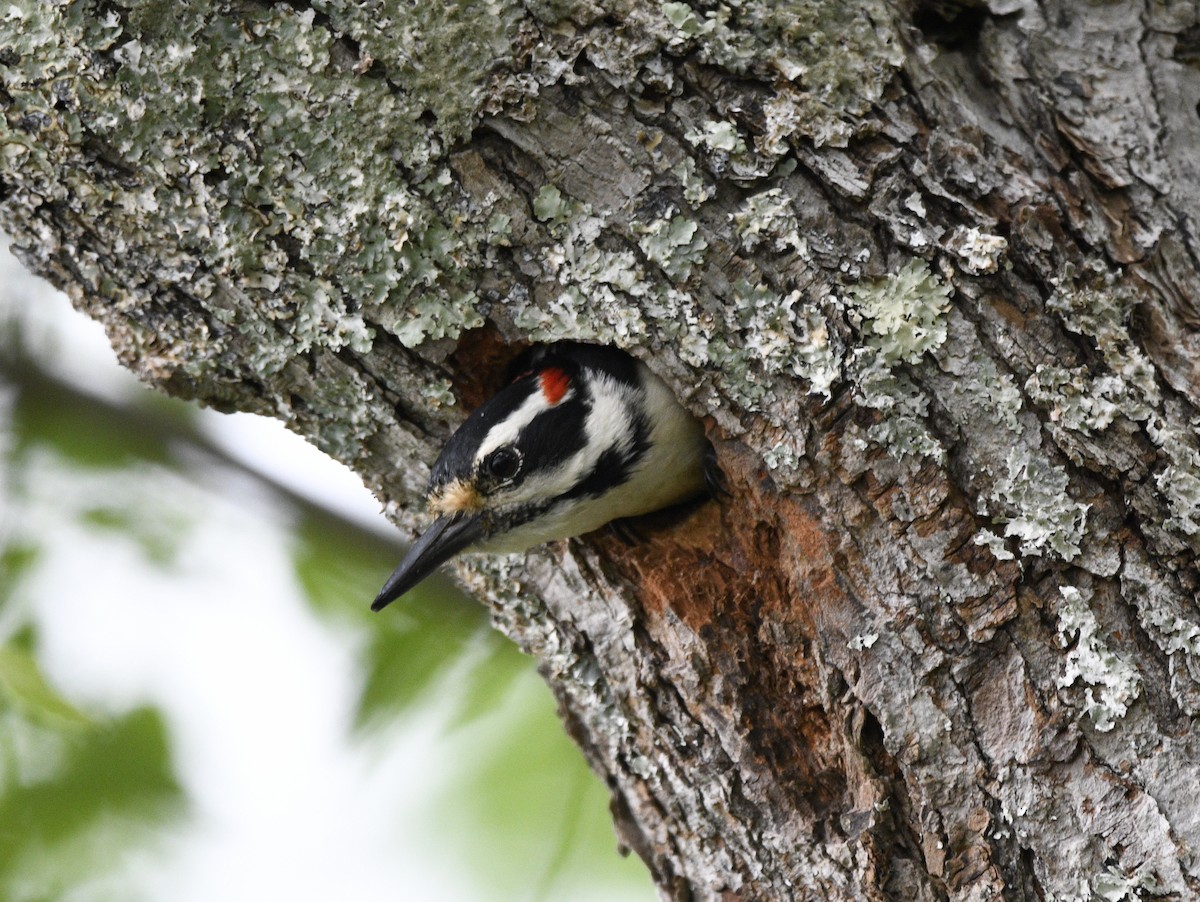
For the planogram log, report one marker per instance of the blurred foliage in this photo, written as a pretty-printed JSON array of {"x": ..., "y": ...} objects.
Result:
[
  {"x": 74, "y": 790},
  {"x": 25, "y": 690},
  {"x": 111, "y": 785},
  {"x": 87, "y": 432},
  {"x": 534, "y": 790},
  {"x": 417, "y": 641},
  {"x": 81, "y": 789}
]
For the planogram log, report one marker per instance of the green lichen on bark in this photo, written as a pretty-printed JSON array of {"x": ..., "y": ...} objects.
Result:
[
  {"x": 829, "y": 61},
  {"x": 901, "y": 318},
  {"x": 1113, "y": 683},
  {"x": 283, "y": 174},
  {"x": 1098, "y": 304},
  {"x": 218, "y": 160},
  {"x": 447, "y": 57},
  {"x": 245, "y": 161},
  {"x": 1038, "y": 510}
]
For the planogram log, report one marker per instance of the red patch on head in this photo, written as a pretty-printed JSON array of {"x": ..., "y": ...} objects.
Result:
[{"x": 554, "y": 383}]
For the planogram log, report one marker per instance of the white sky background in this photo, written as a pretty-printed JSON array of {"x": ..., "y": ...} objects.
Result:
[{"x": 257, "y": 693}]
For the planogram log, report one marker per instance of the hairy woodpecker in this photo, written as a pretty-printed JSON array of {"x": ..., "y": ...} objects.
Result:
[{"x": 583, "y": 435}]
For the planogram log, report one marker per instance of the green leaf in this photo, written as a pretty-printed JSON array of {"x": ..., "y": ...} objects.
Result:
[
  {"x": 82, "y": 429},
  {"x": 16, "y": 560},
  {"x": 415, "y": 641},
  {"x": 111, "y": 771},
  {"x": 24, "y": 687}
]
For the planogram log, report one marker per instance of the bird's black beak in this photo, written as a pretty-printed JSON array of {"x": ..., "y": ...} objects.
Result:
[{"x": 444, "y": 539}]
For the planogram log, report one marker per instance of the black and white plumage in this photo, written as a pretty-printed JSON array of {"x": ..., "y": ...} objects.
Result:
[{"x": 583, "y": 435}]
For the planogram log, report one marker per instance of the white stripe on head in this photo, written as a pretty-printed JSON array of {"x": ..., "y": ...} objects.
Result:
[
  {"x": 671, "y": 470},
  {"x": 506, "y": 431},
  {"x": 607, "y": 426}
]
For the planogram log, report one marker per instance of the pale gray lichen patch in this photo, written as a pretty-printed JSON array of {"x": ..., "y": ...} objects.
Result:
[
  {"x": 994, "y": 543},
  {"x": 1033, "y": 503},
  {"x": 1075, "y": 400},
  {"x": 1181, "y": 486},
  {"x": 683, "y": 17},
  {"x": 593, "y": 290},
  {"x": 814, "y": 356},
  {"x": 673, "y": 242},
  {"x": 1101, "y": 312},
  {"x": 726, "y": 152},
  {"x": 775, "y": 336},
  {"x": 681, "y": 321},
  {"x": 1100, "y": 309},
  {"x": 696, "y": 189},
  {"x": 978, "y": 252},
  {"x": 1178, "y": 634},
  {"x": 1166, "y": 612},
  {"x": 435, "y": 317},
  {"x": 786, "y": 455},
  {"x": 1179, "y": 480},
  {"x": 449, "y": 59},
  {"x": 901, "y": 316},
  {"x": 718, "y": 136},
  {"x": 903, "y": 430},
  {"x": 1113, "y": 684},
  {"x": 239, "y": 181},
  {"x": 549, "y": 205},
  {"x": 500, "y": 578},
  {"x": 767, "y": 218},
  {"x": 828, "y": 62},
  {"x": 1045, "y": 518},
  {"x": 766, "y": 321},
  {"x": 978, "y": 386},
  {"x": 586, "y": 291},
  {"x": 358, "y": 409},
  {"x": 324, "y": 318},
  {"x": 1114, "y": 885},
  {"x": 1005, "y": 397}
]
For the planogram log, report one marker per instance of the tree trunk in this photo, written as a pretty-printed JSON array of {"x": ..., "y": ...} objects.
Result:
[{"x": 929, "y": 272}]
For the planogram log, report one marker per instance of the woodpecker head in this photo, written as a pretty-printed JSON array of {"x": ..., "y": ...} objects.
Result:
[{"x": 582, "y": 435}]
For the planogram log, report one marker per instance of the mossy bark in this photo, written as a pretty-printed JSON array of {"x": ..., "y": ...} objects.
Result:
[{"x": 928, "y": 271}]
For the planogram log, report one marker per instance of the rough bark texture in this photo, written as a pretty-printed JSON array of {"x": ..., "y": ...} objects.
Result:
[{"x": 929, "y": 270}]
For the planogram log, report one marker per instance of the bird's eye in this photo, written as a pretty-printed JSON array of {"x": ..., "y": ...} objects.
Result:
[{"x": 502, "y": 464}]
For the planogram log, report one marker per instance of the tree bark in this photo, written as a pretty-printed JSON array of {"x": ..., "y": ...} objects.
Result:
[{"x": 929, "y": 272}]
